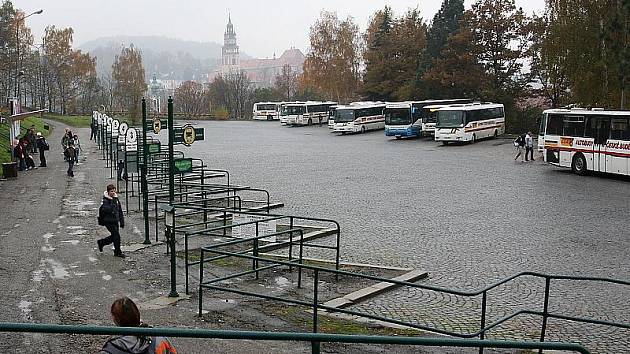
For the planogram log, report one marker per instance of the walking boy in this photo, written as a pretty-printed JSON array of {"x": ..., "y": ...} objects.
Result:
[
  {"x": 69, "y": 153},
  {"x": 110, "y": 215},
  {"x": 519, "y": 143}
]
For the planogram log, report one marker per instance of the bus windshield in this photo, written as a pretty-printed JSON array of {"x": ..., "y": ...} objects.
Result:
[
  {"x": 344, "y": 115},
  {"x": 397, "y": 116},
  {"x": 292, "y": 110},
  {"x": 450, "y": 119},
  {"x": 429, "y": 115},
  {"x": 265, "y": 107}
]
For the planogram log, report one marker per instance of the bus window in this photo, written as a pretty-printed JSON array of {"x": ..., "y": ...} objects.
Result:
[
  {"x": 603, "y": 130},
  {"x": 542, "y": 125},
  {"x": 619, "y": 129},
  {"x": 573, "y": 126},
  {"x": 554, "y": 124}
]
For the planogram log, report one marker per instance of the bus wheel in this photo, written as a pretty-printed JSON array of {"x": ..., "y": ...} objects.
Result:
[
  {"x": 363, "y": 129},
  {"x": 578, "y": 166},
  {"x": 310, "y": 122},
  {"x": 496, "y": 133},
  {"x": 398, "y": 137},
  {"x": 445, "y": 143}
]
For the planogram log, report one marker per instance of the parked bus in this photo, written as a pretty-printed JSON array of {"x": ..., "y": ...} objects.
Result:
[
  {"x": 266, "y": 111},
  {"x": 588, "y": 140},
  {"x": 469, "y": 122},
  {"x": 359, "y": 118},
  {"x": 307, "y": 113},
  {"x": 284, "y": 113},
  {"x": 405, "y": 119},
  {"x": 331, "y": 116}
]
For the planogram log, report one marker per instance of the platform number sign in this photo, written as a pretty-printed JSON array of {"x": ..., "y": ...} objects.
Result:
[
  {"x": 188, "y": 135},
  {"x": 157, "y": 125}
]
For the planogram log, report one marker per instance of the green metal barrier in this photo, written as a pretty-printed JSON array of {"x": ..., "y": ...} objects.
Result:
[{"x": 287, "y": 336}]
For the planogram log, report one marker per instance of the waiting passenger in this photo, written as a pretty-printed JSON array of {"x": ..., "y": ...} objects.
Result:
[{"x": 125, "y": 313}]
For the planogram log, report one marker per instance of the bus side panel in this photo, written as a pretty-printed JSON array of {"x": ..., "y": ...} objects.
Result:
[{"x": 617, "y": 159}]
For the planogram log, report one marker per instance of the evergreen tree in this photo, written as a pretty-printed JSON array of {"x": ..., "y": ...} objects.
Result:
[
  {"x": 376, "y": 79},
  {"x": 445, "y": 23}
]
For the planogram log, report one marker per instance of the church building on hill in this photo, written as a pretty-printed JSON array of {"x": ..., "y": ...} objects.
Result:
[{"x": 262, "y": 72}]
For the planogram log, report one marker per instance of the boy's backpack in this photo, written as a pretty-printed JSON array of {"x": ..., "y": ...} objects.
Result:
[{"x": 100, "y": 217}]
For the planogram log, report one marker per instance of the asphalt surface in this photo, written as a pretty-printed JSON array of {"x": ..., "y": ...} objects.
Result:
[{"x": 469, "y": 215}]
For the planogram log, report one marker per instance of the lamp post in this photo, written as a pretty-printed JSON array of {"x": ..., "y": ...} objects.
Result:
[{"x": 16, "y": 92}]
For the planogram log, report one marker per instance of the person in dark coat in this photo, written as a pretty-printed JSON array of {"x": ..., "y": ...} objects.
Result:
[
  {"x": 110, "y": 215},
  {"x": 93, "y": 129},
  {"x": 31, "y": 139},
  {"x": 125, "y": 313},
  {"x": 42, "y": 145},
  {"x": 69, "y": 154}
]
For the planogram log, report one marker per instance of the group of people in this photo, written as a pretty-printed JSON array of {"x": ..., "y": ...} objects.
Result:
[
  {"x": 29, "y": 144},
  {"x": 71, "y": 150},
  {"x": 524, "y": 141}
]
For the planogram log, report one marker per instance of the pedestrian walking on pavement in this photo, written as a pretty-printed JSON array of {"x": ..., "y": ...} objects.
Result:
[
  {"x": 125, "y": 313},
  {"x": 77, "y": 148},
  {"x": 68, "y": 155},
  {"x": 529, "y": 146},
  {"x": 93, "y": 129},
  {"x": 110, "y": 215},
  {"x": 519, "y": 143},
  {"x": 42, "y": 145}
]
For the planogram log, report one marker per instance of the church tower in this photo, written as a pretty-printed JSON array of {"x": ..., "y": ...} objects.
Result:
[{"x": 229, "y": 54}]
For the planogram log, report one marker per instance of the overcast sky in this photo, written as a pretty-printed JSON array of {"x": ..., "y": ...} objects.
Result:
[{"x": 262, "y": 27}]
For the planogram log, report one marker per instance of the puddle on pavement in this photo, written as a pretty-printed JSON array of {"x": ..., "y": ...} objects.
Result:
[
  {"x": 282, "y": 281},
  {"x": 56, "y": 269},
  {"x": 92, "y": 259},
  {"x": 38, "y": 275},
  {"x": 72, "y": 242},
  {"x": 25, "y": 307},
  {"x": 48, "y": 248}
]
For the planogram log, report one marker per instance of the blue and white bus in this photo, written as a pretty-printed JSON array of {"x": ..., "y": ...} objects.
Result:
[{"x": 406, "y": 119}]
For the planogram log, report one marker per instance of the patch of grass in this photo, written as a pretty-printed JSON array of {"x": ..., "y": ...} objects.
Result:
[{"x": 73, "y": 121}]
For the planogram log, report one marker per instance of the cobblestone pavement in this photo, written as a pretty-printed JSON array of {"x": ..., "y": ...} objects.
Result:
[{"x": 470, "y": 215}]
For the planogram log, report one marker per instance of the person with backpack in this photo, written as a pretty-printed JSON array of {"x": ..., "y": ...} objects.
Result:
[
  {"x": 125, "y": 313},
  {"x": 110, "y": 215},
  {"x": 93, "y": 129},
  {"x": 42, "y": 145},
  {"x": 68, "y": 154},
  {"x": 519, "y": 143}
]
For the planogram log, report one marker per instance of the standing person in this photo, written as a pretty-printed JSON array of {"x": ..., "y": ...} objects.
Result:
[
  {"x": 31, "y": 138},
  {"x": 28, "y": 159},
  {"x": 69, "y": 154},
  {"x": 93, "y": 128},
  {"x": 110, "y": 215},
  {"x": 67, "y": 137},
  {"x": 125, "y": 313},
  {"x": 529, "y": 146},
  {"x": 77, "y": 147},
  {"x": 519, "y": 143},
  {"x": 42, "y": 145}
]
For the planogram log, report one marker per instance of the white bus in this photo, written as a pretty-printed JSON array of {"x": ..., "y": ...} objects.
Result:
[
  {"x": 307, "y": 113},
  {"x": 405, "y": 119},
  {"x": 359, "y": 118},
  {"x": 588, "y": 140},
  {"x": 283, "y": 112},
  {"x": 266, "y": 111},
  {"x": 428, "y": 116},
  {"x": 469, "y": 122},
  {"x": 331, "y": 116}
]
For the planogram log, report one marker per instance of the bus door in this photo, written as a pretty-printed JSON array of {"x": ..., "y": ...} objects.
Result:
[
  {"x": 616, "y": 160},
  {"x": 602, "y": 133}
]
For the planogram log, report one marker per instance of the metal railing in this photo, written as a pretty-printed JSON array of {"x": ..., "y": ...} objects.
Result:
[
  {"x": 315, "y": 306},
  {"x": 314, "y": 338}
]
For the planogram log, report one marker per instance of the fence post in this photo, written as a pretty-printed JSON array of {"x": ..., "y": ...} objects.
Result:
[
  {"x": 545, "y": 310},
  {"x": 315, "y": 346},
  {"x": 482, "y": 335}
]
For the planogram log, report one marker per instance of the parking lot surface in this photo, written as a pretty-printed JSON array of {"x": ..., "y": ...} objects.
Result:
[{"x": 469, "y": 215}]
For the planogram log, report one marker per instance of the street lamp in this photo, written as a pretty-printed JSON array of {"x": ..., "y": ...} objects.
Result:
[{"x": 17, "y": 43}]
